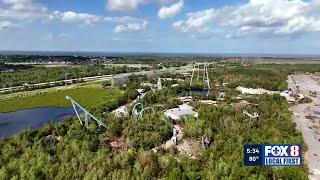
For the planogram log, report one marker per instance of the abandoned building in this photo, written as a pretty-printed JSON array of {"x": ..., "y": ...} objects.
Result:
[
  {"x": 120, "y": 79},
  {"x": 178, "y": 113}
]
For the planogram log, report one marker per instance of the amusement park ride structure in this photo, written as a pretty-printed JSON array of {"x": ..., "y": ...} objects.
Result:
[
  {"x": 255, "y": 115},
  {"x": 87, "y": 116},
  {"x": 201, "y": 68},
  {"x": 138, "y": 110}
]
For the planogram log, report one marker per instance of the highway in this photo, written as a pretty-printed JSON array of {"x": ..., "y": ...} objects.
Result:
[
  {"x": 52, "y": 83},
  {"x": 88, "y": 79}
]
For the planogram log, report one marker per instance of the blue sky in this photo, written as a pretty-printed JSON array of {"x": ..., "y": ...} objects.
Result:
[{"x": 190, "y": 26}]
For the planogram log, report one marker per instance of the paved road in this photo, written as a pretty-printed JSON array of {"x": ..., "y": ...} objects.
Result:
[
  {"x": 85, "y": 79},
  {"x": 308, "y": 128}
]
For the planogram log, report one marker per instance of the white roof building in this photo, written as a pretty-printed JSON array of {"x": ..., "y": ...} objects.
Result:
[
  {"x": 182, "y": 111},
  {"x": 258, "y": 91},
  {"x": 121, "y": 112},
  {"x": 208, "y": 102},
  {"x": 185, "y": 99}
]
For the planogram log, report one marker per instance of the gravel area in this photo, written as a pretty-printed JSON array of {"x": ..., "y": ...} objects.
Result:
[{"x": 308, "y": 127}]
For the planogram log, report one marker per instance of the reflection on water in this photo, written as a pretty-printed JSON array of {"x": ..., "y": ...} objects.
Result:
[
  {"x": 201, "y": 92},
  {"x": 14, "y": 122}
]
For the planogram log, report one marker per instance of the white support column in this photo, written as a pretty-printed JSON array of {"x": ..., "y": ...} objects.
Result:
[
  {"x": 86, "y": 119},
  {"x": 87, "y": 115},
  {"x": 75, "y": 110},
  {"x": 198, "y": 72},
  {"x": 208, "y": 80},
  {"x": 193, "y": 69}
]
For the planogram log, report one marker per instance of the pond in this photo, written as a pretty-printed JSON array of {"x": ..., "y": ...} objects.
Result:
[
  {"x": 200, "y": 92},
  {"x": 15, "y": 122}
]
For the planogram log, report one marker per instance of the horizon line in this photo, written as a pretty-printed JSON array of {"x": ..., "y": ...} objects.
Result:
[{"x": 132, "y": 53}]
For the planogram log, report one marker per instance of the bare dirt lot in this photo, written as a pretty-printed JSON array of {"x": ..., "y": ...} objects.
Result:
[{"x": 307, "y": 121}]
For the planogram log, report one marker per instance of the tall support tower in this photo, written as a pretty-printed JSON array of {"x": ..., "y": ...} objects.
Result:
[{"x": 202, "y": 70}]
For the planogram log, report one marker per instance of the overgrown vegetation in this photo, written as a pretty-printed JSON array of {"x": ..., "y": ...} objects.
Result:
[
  {"x": 48, "y": 74},
  {"x": 88, "y": 95},
  {"x": 83, "y": 154}
]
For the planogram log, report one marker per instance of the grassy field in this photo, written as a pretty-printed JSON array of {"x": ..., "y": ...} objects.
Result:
[{"x": 88, "y": 95}]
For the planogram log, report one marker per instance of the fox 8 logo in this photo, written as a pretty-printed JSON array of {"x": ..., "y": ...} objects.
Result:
[{"x": 282, "y": 151}]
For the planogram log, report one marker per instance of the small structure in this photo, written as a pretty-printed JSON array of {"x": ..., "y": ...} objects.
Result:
[
  {"x": 159, "y": 84},
  {"x": 288, "y": 95},
  {"x": 186, "y": 99},
  {"x": 208, "y": 102},
  {"x": 257, "y": 91},
  {"x": 255, "y": 115},
  {"x": 146, "y": 84},
  {"x": 221, "y": 95},
  {"x": 140, "y": 91},
  {"x": 182, "y": 111},
  {"x": 205, "y": 142},
  {"x": 175, "y": 136},
  {"x": 176, "y": 131},
  {"x": 239, "y": 97},
  {"x": 120, "y": 79},
  {"x": 153, "y": 74},
  {"x": 185, "y": 75},
  {"x": 239, "y": 105},
  {"x": 300, "y": 96},
  {"x": 313, "y": 93},
  {"x": 121, "y": 111}
]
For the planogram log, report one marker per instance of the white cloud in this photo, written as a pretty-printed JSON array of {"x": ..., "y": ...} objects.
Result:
[
  {"x": 265, "y": 18},
  {"x": 7, "y": 25},
  {"x": 22, "y": 10},
  {"x": 164, "y": 2},
  {"x": 196, "y": 21},
  {"x": 170, "y": 11},
  {"x": 28, "y": 11},
  {"x": 64, "y": 36},
  {"x": 148, "y": 40},
  {"x": 54, "y": 36},
  {"x": 127, "y": 24},
  {"x": 123, "y": 19},
  {"x": 72, "y": 17},
  {"x": 24, "y": 5},
  {"x": 131, "y": 27},
  {"x": 123, "y": 5}
]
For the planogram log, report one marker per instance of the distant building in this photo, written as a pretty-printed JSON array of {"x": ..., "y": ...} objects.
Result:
[
  {"x": 208, "y": 102},
  {"x": 239, "y": 105},
  {"x": 153, "y": 75},
  {"x": 220, "y": 95},
  {"x": 120, "y": 79},
  {"x": 257, "y": 91},
  {"x": 178, "y": 113},
  {"x": 186, "y": 99},
  {"x": 185, "y": 75}
]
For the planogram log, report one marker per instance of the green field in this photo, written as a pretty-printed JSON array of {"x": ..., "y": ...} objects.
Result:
[{"x": 87, "y": 95}]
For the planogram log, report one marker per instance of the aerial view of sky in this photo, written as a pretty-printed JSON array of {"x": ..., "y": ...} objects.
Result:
[{"x": 192, "y": 26}]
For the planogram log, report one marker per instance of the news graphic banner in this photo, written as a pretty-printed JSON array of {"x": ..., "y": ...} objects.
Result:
[{"x": 272, "y": 155}]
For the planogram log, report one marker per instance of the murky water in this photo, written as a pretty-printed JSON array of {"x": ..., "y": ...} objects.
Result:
[{"x": 14, "y": 122}]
